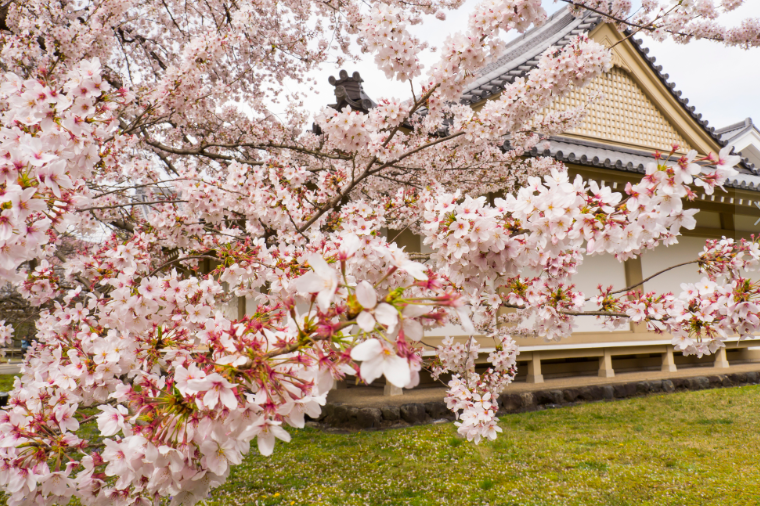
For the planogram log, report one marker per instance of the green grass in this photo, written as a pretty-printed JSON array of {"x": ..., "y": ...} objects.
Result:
[
  {"x": 6, "y": 382},
  {"x": 695, "y": 448},
  {"x": 685, "y": 449}
]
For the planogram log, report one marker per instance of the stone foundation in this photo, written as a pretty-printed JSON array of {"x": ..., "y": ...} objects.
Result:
[{"x": 350, "y": 418}]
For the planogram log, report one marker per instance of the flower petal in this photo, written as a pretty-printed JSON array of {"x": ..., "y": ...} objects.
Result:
[
  {"x": 280, "y": 433},
  {"x": 372, "y": 369},
  {"x": 414, "y": 310},
  {"x": 367, "y": 350},
  {"x": 265, "y": 440},
  {"x": 387, "y": 315},
  {"x": 366, "y": 321},
  {"x": 415, "y": 269},
  {"x": 413, "y": 329},
  {"x": 397, "y": 371},
  {"x": 321, "y": 267},
  {"x": 350, "y": 245},
  {"x": 465, "y": 319},
  {"x": 324, "y": 299},
  {"x": 309, "y": 283},
  {"x": 366, "y": 295}
]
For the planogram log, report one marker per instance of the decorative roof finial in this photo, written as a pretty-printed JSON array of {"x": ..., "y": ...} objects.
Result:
[{"x": 349, "y": 92}]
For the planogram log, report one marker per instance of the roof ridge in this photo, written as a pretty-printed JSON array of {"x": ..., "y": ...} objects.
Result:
[
  {"x": 735, "y": 126},
  {"x": 523, "y": 57},
  {"x": 516, "y": 41}
]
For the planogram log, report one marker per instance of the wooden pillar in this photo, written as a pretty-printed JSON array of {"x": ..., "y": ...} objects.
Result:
[
  {"x": 392, "y": 390},
  {"x": 668, "y": 364},
  {"x": 635, "y": 274},
  {"x": 721, "y": 361},
  {"x": 241, "y": 301},
  {"x": 534, "y": 369},
  {"x": 605, "y": 365},
  {"x": 727, "y": 225}
]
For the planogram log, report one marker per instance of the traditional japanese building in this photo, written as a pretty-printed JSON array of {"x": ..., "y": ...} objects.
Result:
[
  {"x": 745, "y": 138},
  {"x": 642, "y": 112}
]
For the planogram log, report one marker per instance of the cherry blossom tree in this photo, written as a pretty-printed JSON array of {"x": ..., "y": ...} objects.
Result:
[{"x": 141, "y": 132}]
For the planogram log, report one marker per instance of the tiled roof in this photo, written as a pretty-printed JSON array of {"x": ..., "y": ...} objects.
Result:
[
  {"x": 521, "y": 56},
  {"x": 731, "y": 132},
  {"x": 596, "y": 154}
]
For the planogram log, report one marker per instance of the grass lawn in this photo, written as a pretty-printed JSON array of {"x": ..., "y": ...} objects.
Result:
[
  {"x": 694, "y": 448},
  {"x": 6, "y": 382}
]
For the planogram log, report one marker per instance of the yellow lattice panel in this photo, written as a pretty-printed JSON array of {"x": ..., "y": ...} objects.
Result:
[{"x": 625, "y": 115}]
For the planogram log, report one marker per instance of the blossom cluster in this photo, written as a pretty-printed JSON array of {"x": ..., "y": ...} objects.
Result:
[
  {"x": 681, "y": 21},
  {"x": 704, "y": 314},
  {"x": 50, "y": 145},
  {"x": 147, "y": 380},
  {"x": 472, "y": 396},
  {"x": 396, "y": 50},
  {"x": 462, "y": 54}
]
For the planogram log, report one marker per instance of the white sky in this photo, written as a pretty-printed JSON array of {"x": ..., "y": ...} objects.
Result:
[{"x": 722, "y": 83}]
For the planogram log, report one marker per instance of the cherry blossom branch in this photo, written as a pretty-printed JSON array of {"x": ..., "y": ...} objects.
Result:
[
  {"x": 131, "y": 204},
  {"x": 574, "y": 313},
  {"x": 629, "y": 288},
  {"x": 648, "y": 27},
  {"x": 176, "y": 260}
]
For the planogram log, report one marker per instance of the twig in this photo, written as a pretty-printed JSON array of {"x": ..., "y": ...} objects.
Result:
[
  {"x": 130, "y": 204},
  {"x": 628, "y": 288},
  {"x": 180, "y": 260}
]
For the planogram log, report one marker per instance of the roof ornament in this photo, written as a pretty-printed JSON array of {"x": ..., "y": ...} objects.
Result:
[{"x": 349, "y": 92}]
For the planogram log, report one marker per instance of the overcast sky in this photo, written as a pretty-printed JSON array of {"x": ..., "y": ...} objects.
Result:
[{"x": 722, "y": 83}]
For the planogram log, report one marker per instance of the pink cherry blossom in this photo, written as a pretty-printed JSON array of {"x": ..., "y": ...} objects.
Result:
[
  {"x": 111, "y": 420},
  {"x": 217, "y": 389},
  {"x": 372, "y": 312},
  {"x": 378, "y": 359},
  {"x": 323, "y": 281},
  {"x": 145, "y": 210}
]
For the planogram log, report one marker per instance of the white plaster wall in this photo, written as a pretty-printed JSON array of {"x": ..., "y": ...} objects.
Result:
[
  {"x": 596, "y": 270},
  {"x": 230, "y": 308},
  {"x": 745, "y": 223},
  {"x": 688, "y": 248},
  {"x": 748, "y": 145}
]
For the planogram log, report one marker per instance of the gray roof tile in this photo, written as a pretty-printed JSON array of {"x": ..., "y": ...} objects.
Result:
[{"x": 595, "y": 154}]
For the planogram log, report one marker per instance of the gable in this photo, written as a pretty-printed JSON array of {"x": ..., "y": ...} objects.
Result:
[
  {"x": 642, "y": 111},
  {"x": 665, "y": 113},
  {"x": 625, "y": 115}
]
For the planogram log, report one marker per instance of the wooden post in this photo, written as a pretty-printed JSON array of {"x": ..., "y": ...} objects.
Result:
[
  {"x": 668, "y": 364},
  {"x": 392, "y": 390},
  {"x": 605, "y": 365},
  {"x": 721, "y": 361},
  {"x": 534, "y": 369},
  {"x": 727, "y": 225},
  {"x": 635, "y": 274}
]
